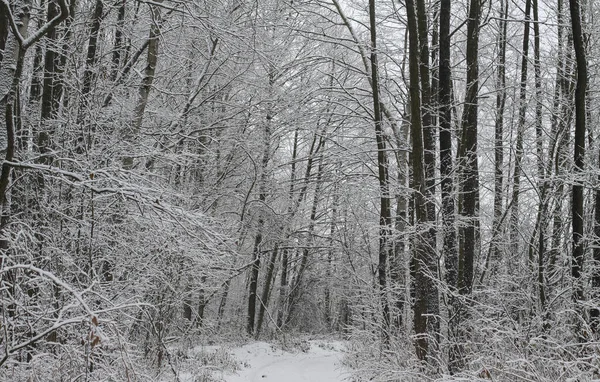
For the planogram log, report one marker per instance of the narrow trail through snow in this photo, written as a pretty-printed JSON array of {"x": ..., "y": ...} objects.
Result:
[{"x": 321, "y": 362}]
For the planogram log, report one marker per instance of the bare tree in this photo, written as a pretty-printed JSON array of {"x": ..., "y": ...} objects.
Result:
[{"x": 579, "y": 151}]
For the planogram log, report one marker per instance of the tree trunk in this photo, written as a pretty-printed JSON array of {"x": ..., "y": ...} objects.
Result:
[
  {"x": 89, "y": 73},
  {"x": 132, "y": 132},
  {"x": 11, "y": 70},
  {"x": 469, "y": 176},
  {"x": 330, "y": 257},
  {"x": 579, "y": 152},
  {"x": 264, "y": 298},
  {"x": 201, "y": 303},
  {"x": 296, "y": 284},
  {"x": 283, "y": 283},
  {"x": 424, "y": 261},
  {"x": 4, "y": 31},
  {"x": 543, "y": 183},
  {"x": 285, "y": 298},
  {"x": 494, "y": 251},
  {"x": 562, "y": 115},
  {"x": 283, "y": 289},
  {"x": 468, "y": 155},
  {"x": 385, "y": 214},
  {"x": 449, "y": 250},
  {"x": 427, "y": 106},
  {"x": 51, "y": 89},
  {"x": 514, "y": 216},
  {"x": 398, "y": 262},
  {"x": 260, "y": 225},
  {"x": 119, "y": 43}
]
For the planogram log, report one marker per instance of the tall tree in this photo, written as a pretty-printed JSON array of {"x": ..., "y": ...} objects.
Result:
[
  {"x": 579, "y": 149},
  {"x": 260, "y": 225},
  {"x": 543, "y": 185},
  {"x": 423, "y": 262},
  {"x": 4, "y": 31},
  {"x": 468, "y": 156},
  {"x": 514, "y": 216},
  {"x": 427, "y": 103},
  {"x": 469, "y": 172},
  {"x": 385, "y": 212},
  {"x": 132, "y": 131},
  {"x": 501, "y": 41},
  {"x": 450, "y": 250},
  {"x": 52, "y": 87},
  {"x": 90, "y": 63}
]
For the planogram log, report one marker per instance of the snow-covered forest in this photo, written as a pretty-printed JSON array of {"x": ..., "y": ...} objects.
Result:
[{"x": 418, "y": 179}]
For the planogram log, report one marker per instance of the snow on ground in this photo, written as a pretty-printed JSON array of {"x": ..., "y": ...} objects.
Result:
[{"x": 319, "y": 362}]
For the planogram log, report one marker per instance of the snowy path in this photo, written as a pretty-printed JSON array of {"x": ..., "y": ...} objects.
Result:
[{"x": 320, "y": 363}]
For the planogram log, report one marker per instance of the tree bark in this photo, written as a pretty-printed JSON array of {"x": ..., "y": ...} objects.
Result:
[
  {"x": 468, "y": 156},
  {"x": 264, "y": 298},
  {"x": 132, "y": 132},
  {"x": 562, "y": 115},
  {"x": 543, "y": 182},
  {"x": 494, "y": 251},
  {"x": 424, "y": 261},
  {"x": 258, "y": 239},
  {"x": 469, "y": 178},
  {"x": 89, "y": 73},
  {"x": 296, "y": 284},
  {"x": 579, "y": 151},
  {"x": 119, "y": 43},
  {"x": 4, "y": 31},
  {"x": 385, "y": 213},
  {"x": 427, "y": 103},
  {"x": 11, "y": 70},
  {"x": 514, "y": 216},
  {"x": 51, "y": 88},
  {"x": 450, "y": 252}
]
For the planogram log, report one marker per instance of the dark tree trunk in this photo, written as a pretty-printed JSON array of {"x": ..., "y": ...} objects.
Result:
[
  {"x": 450, "y": 252},
  {"x": 35, "y": 90},
  {"x": 119, "y": 43},
  {"x": 149, "y": 71},
  {"x": 427, "y": 101},
  {"x": 260, "y": 225},
  {"x": 4, "y": 30},
  {"x": 469, "y": 178},
  {"x": 254, "y": 270},
  {"x": 579, "y": 150},
  {"x": 50, "y": 88},
  {"x": 296, "y": 284},
  {"x": 223, "y": 303},
  {"x": 264, "y": 298},
  {"x": 424, "y": 260},
  {"x": 283, "y": 282},
  {"x": 385, "y": 213},
  {"x": 514, "y": 216},
  {"x": 88, "y": 74},
  {"x": 445, "y": 100},
  {"x": 285, "y": 298},
  {"x": 330, "y": 258},
  {"x": 543, "y": 183},
  {"x": 494, "y": 251},
  {"x": 468, "y": 156},
  {"x": 11, "y": 70},
  {"x": 562, "y": 116},
  {"x": 132, "y": 132},
  {"x": 283, "y": 289},
  {"x": 201, "y": 303},
  {"x": 90, "y": 63}
]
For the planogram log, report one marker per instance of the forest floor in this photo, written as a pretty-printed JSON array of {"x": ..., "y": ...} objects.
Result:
[{"x": 306, "y": 361}]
